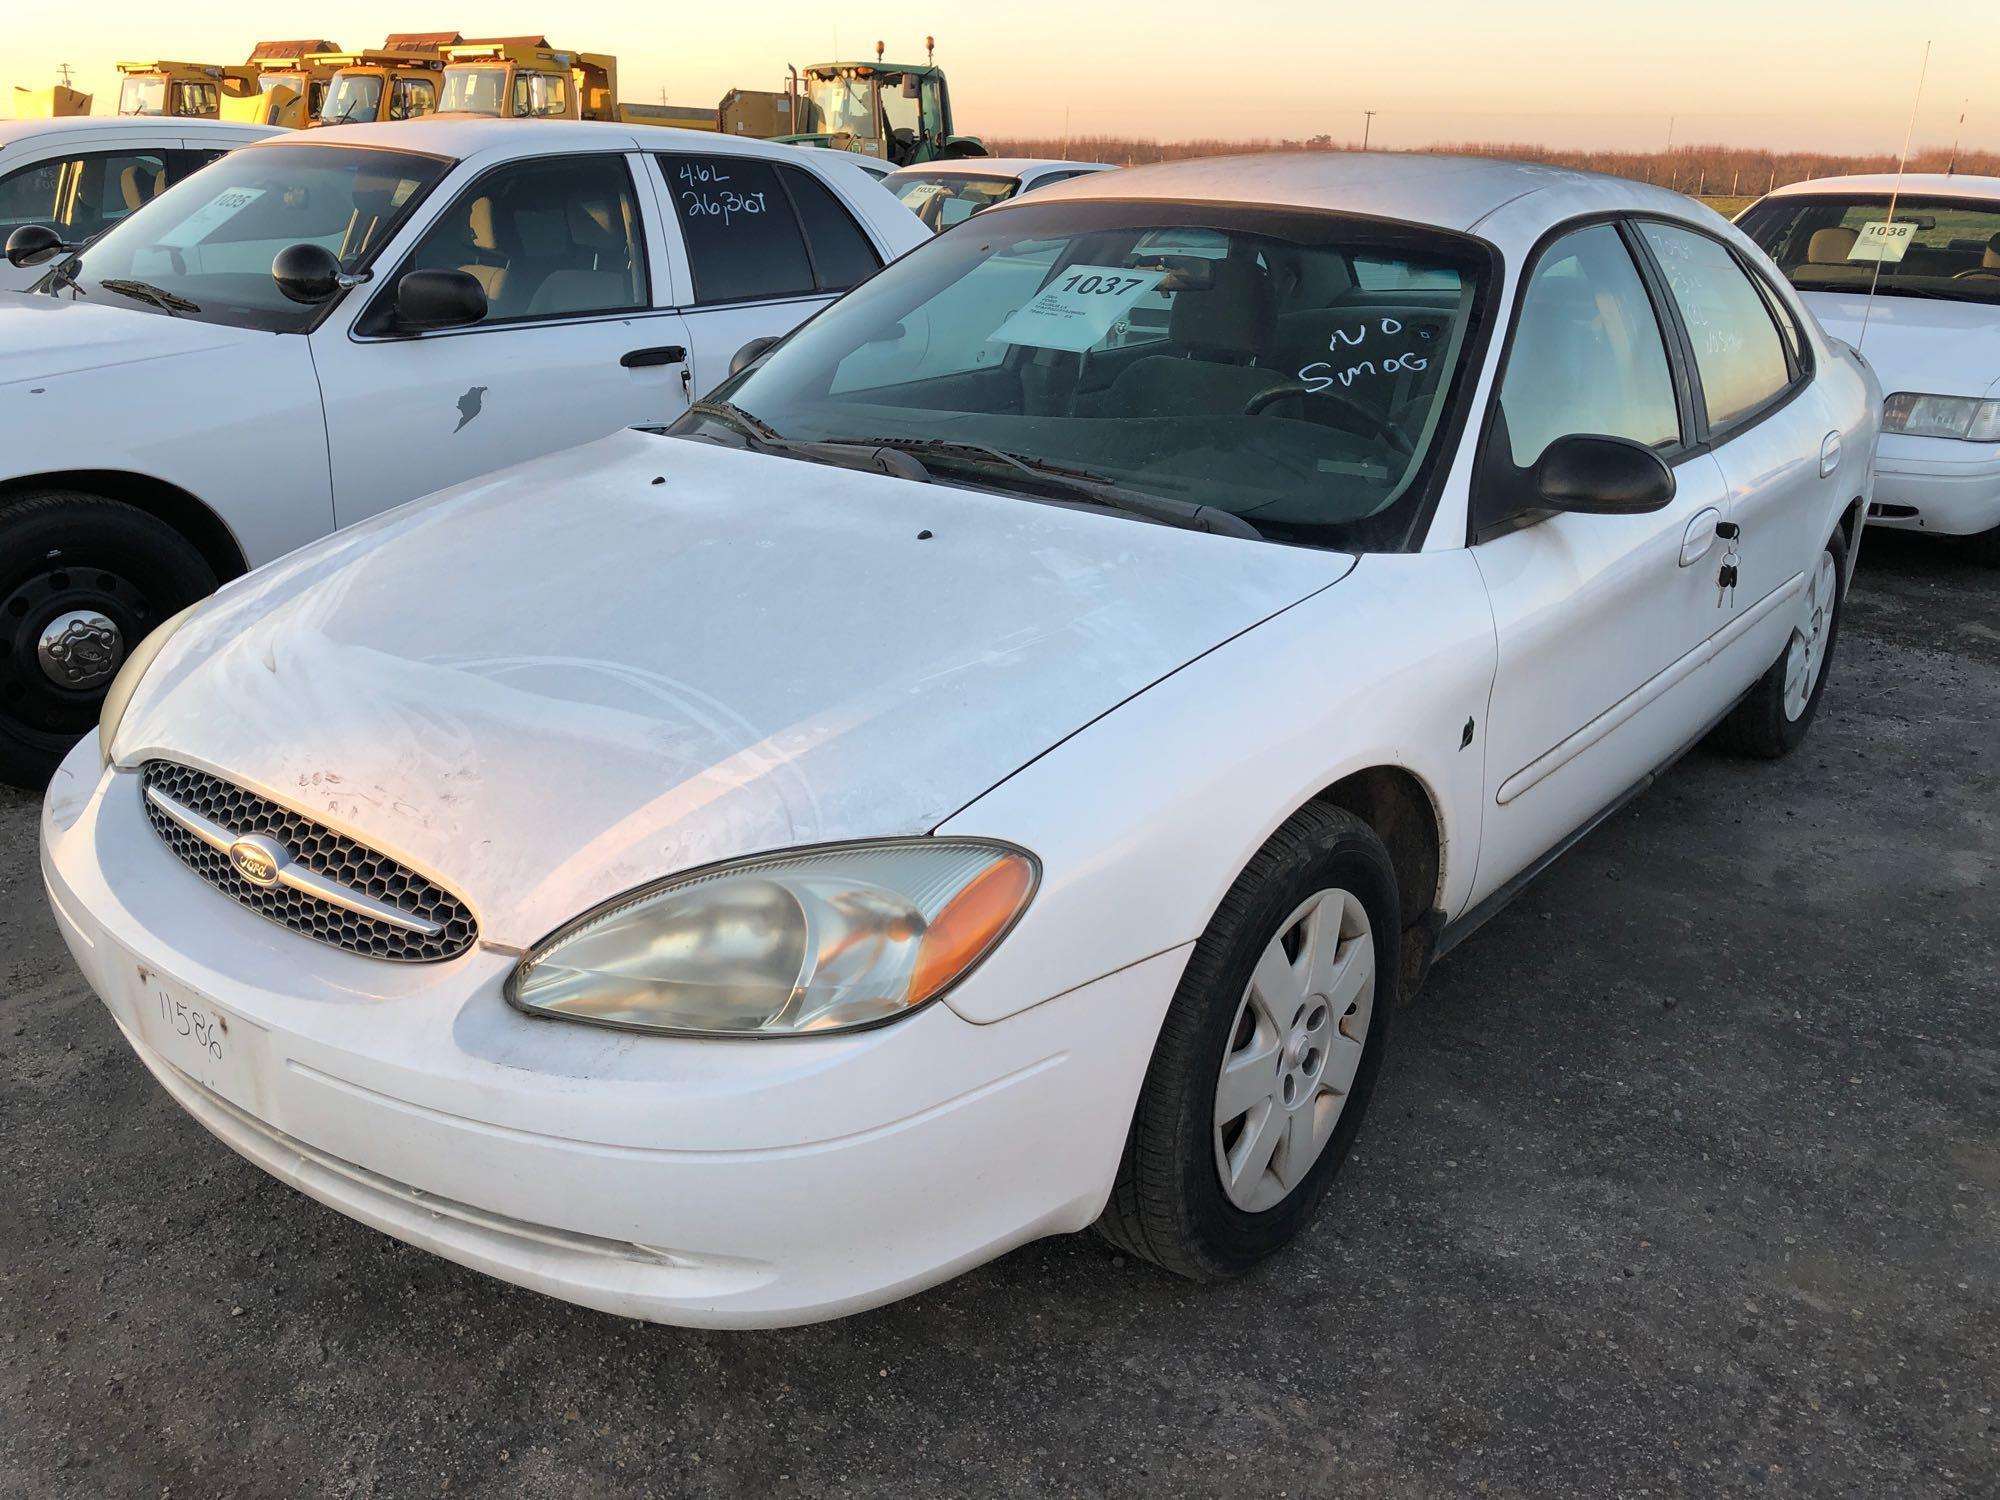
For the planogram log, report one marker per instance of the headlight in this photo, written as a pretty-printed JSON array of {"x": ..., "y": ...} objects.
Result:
[
  {"x": 1965, "y": 417},
  {"x": 813, "y": 941},
  {"x": 119, "y": 695}
]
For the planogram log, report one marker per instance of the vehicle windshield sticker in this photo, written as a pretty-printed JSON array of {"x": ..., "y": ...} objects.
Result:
[
  {"x": 1077, "y": 309},
  {"x": 1883, "y": 241},
  {"x": 210, "y": 217}
]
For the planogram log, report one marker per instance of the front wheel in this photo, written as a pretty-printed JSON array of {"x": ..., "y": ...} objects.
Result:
[
  {"x": 1774, "y": 716},
  {"x": 1268, "y": 1054},
  {"x": 82, "y": 580}
]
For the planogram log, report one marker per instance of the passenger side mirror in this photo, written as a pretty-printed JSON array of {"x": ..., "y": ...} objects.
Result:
[
  {"x": 32, "y": 244},
  {"x": 1603, "y": 476},
  {"x": 307, "y": 273},
  {"x": 749, "y": 354},
  {"x": 438, "y": 299}
]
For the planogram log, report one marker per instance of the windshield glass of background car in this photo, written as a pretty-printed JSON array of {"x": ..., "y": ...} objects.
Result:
[
  {"x": 1236, "y": 363},
  {"x": 353, "y": 96},
  {"x": 209, "y": 241},
  {"x": 1933, "y": 247},
  {"x": 942, "y": 199}
]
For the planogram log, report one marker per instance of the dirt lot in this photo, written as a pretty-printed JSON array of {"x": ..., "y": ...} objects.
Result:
[{"x": 1685, "y": 1179}]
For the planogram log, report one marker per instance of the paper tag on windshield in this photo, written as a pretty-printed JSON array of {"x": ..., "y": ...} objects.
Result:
[
  {"x": 1883, "y": 241},
  {"x": 210, "y": 217},
  {"x": 1077, "y": 309}
]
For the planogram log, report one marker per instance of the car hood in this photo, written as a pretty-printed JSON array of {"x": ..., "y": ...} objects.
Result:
[
  {"x": 50, "y": 337},
  {"x": 1916, "y": 344},
  {"x": 554, "y": 684}
]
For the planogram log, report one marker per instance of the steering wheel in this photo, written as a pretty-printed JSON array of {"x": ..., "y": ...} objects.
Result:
[
  {"x": 1976, "y": 271},
  {"x": 1371, "y": 423}
]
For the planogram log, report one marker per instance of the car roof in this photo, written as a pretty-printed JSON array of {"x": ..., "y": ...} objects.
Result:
[
  {"x": 1451, "y": 192},
  {"x": 461, "y": 136},
  {"x": 998, "y": 166},
  {"x": 12, "y": 131},
  {"x": 1916, "y": 184}
]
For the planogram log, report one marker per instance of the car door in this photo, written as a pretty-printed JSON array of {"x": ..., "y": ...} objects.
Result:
[
  {"x": 765, "y": 245},
  {"x": 576, "y": 341},
  {"x": 81, "y": 193},
  {"x": 1601, "y": 620},
  {"x": 1777, "y": 444}
]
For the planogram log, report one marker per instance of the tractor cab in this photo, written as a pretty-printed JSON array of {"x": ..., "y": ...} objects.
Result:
[{"x": 899, "y": 113}]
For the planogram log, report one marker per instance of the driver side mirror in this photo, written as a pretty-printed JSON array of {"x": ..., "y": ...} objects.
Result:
[
  {"x": 438, "y": 299},
  {"x": 1602, "y": 476},
  {"x": 749, "y": 354},
  {"x": 32, "y": 244}
]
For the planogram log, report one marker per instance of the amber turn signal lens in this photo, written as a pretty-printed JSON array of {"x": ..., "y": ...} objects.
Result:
[{"x": 970, "y": 924}]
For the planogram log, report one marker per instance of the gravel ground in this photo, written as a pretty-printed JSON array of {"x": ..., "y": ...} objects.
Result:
[{"x": 1684, "y": 1178}]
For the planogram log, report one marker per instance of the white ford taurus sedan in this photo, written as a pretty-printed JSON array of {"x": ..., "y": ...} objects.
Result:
[
  {"x": 1908, "y": 270},
  {"x": 743, "y": 874}
]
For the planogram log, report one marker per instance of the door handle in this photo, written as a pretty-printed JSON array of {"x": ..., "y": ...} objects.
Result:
[
  {"x": 1699, "y": 538},
  {"x": 1829, "y": 454},
  {"x": 665, "y": 354}
]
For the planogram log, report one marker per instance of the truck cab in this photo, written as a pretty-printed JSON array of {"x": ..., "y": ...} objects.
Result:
[
  {"x": 524, "y": 78},
  {"x": 297, "y": 67},
  {"x": 184, "y": 90},
  {"x": 379, "y": 84}
]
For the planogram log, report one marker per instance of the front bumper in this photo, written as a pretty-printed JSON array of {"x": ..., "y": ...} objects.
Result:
[
  {"x": 1936, "y": 484},
  {"x": 706, "y": 1183}
]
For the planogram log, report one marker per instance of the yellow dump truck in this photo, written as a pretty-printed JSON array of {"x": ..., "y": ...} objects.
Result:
[
  {"x": 523, "y": 77},
  {"x": 187, "y": 90},
  {"x": 396, "y": 81},
  {"x": 292, "y": 81}
]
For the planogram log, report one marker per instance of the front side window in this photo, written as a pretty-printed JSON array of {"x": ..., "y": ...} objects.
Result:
[
  {"x": 1737, "y": 350},
  {"x": 197, "y": 101},
  {"x": 1944, "y": 249},
  {"x": 203, "y": 248},
  {"x": 1279, "y": 392},
  {"x": 539, "y": 95},
  {"x": 942, "y": 199},
  {"x": 549, "y": 238},
  {"x": 1588, "y": 356},
  {"x": 353, "y": 96},
  {"x": 142, "y": 96},
  {"x": 412, "y": 97}
]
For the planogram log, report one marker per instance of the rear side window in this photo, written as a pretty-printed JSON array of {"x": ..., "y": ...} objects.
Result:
[
  {"x": 756, "y": 230},
  {"x": 1737, "y": 350}
]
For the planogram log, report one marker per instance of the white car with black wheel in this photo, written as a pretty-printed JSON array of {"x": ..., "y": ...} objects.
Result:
[
  {"x": 324, "y": 325},
  {"x": 917, "y": 815}
]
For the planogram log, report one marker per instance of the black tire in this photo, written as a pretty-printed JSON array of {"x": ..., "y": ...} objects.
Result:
[
  {"x": 1984, "y": 547},
  {"x": 1759, "y": 725},
  {"x": 63, "y": 551},
  {"x": 1169, "y": 1204}
]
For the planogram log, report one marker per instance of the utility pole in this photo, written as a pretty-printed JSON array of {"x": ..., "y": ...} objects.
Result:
[{"x": 1367, "y": 126}]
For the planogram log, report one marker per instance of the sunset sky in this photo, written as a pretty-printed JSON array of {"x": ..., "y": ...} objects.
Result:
[{"x": 1534, "y": 71}]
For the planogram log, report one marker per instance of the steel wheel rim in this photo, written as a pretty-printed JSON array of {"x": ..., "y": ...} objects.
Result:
[
  {"x": 1293, "y": 1050},
  {"x": 1805, "y": 656},
  {"x": 59, "y": 615}
]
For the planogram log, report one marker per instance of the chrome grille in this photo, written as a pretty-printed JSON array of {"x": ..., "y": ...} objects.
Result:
[{"x": 195, "y": 814}]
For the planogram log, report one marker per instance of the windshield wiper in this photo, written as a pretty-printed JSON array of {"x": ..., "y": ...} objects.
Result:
[
  {"x": 145, "y": 291},
  {"x": 748, "y": 423},
  {"x": 1068, "y": 481},
  {"x": 761, "y": 437}
]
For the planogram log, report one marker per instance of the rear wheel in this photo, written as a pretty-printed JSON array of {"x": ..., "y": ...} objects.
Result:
[
  {"x": 1268, "y": 1055},
  {"x": 82, "y": 581},
  {"x": 1774, "y": 716}
]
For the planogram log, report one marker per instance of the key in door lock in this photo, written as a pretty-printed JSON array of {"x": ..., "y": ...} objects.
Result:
[{"x": 1725, "y": 580}]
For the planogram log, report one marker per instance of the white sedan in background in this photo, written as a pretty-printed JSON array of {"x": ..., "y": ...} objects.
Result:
[
  {"x": 944, "y": 193},
  {"x": 324, "y": 325},
  {"x": 78, "y": 175},
  {"x": 1908, "y": 269},
  {"x": 746, "y": 874}
]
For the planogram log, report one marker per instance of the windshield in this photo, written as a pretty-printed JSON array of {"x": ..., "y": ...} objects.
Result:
[
  {"x": 942, "y": 199},
  {"x": 842, "y": 104},
  {"x": 1929, "y": 247},
  {"x": 352, "y": 96},
  {"x": 473, "y": 91},
  {"x": 293, "y": 81},
  {"x": 203, "y": 249},
  {"x": 143, "y": 96},
  {"x": 1228, "y": 358}
]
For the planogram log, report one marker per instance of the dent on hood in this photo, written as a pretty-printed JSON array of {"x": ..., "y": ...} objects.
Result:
[{"x": 548, "y": 687}]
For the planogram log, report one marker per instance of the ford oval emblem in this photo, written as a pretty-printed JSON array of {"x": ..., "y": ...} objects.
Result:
[{"x": 257, "y": 859}]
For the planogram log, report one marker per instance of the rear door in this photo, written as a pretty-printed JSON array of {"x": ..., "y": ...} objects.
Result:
[
  {"x": 577, "y": 340},
  {"x": 762, "y": 245},
  {"x": 1602, "y": 621}
]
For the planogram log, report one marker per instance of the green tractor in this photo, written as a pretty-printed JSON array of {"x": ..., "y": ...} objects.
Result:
[{"x": 897, "y": 113}]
